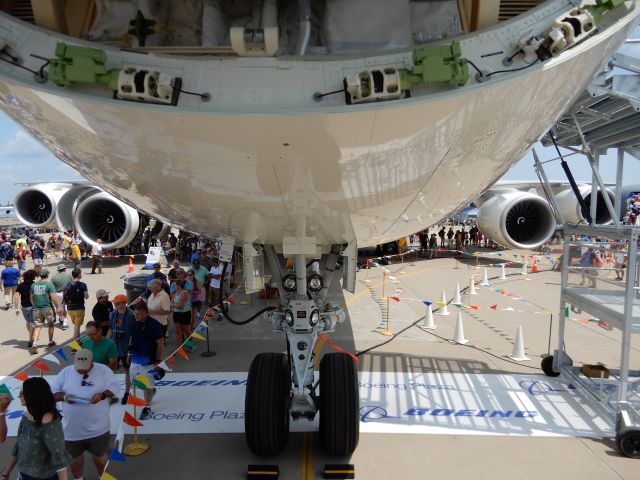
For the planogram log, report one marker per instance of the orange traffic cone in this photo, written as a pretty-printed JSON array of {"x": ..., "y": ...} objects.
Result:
[
  {"x": 130, "y": 265},
  {"x": 534, "y": 269}
]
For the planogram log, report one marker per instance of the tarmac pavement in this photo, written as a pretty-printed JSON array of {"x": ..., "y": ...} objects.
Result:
[{"x": 387, "y": 456}]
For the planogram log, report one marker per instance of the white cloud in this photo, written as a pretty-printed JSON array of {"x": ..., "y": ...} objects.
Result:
[
  {"x": 24, "y": 160},
  {"x": 23, "y": 145}
]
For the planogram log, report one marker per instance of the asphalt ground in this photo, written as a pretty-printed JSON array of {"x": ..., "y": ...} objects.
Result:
[{"x": 387, "y": 456}]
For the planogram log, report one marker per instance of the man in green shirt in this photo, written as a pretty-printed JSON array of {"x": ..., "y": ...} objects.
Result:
[
  {"x": 60, "y": 280},
  {"x": 43, "y": 299},
  {"x": 104, "y": 349}
]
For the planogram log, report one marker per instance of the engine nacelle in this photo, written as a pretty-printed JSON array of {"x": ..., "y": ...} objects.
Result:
[
  {"x": 570, "y": 208},
  {"x": 517, "y": 219},
  {"x": 36, "y": 206},
  {"x": 68, "y": 204},
  {"x": 105, "y": 217}
]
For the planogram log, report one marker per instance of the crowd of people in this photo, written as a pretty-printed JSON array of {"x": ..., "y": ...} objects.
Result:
[{"x": 124, "y": 334}]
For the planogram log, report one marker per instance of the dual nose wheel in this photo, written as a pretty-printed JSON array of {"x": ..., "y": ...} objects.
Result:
[{"x": 267, "y": 404}]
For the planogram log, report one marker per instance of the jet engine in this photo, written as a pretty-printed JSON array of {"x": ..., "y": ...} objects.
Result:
[
  {"x": 516, "y": 219},
  {"x": 36, "y": 206},
  {"x": 68, "y": 204},
  {"x": 105, "y": 217},
  {"x": 570, "y": 208}
]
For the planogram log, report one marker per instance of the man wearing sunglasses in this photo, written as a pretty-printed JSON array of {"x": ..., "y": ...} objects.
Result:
[{"x": 84, "y": 389}]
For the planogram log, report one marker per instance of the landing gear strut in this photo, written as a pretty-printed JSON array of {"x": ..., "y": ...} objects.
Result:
[{"x": 281, "y": 387}]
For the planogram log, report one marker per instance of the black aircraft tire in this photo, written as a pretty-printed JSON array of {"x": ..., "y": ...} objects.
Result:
[
  {"x": 339, "y": 405},
  {"x": 547, "y": 366},
  {"x": 266, "y": 404}
]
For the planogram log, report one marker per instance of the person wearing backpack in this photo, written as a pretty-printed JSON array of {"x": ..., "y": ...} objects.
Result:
[{"x": 75, "y": 293}]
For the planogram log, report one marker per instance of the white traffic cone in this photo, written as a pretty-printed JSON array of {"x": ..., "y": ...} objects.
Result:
[
  {"x": 472, "y": 287},
  {"x": 458, "y": 334},
  {"x": 485, "y": 278},
  {"x": 518, "y": 347},
  {"x": 503, "y": 272},
  {"x": 443, "y": 305},
  {"x": 456, "y": 298},
  {"x": 525, "y": 265},
  {"x": 428, "y": 319}
]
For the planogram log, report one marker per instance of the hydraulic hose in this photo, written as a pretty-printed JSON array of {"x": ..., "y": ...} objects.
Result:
[{"x": 226, "y": 315}]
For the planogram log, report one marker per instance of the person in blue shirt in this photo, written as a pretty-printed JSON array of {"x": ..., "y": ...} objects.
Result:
[
  {"x": 9, "y": 280},
  {"x": 157, "y": 273},
  {"x": 37, "y": 253},
  {"x": 146, "y": 349},
  {"x": 121, "y": 324},
  {"x": 195, "y": 257}
]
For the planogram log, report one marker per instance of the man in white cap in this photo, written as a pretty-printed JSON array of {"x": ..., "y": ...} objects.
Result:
[
  {"x": 84, "y": 389},
  {"x": 102, "y": 310}
]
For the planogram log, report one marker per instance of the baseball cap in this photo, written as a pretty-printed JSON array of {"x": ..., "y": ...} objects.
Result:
[
  {"x": 61, "y": 267},
  {"x": 44, "y": 272},
  {"x": 120, "y": 298},
  {"x": 101, "y": 292},
  {"x": 83, "y": 359}
]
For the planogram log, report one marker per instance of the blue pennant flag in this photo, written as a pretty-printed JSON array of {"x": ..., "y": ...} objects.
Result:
[
  {"x": 61, "y": 354},
  {"x": 427, "y": 302},
  {"x": 117, "y": 456}
]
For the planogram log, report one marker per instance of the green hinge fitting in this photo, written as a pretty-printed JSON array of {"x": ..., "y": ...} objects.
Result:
[
  {"x": 87, "y": 65},
  {"x": 437, "y": 64}
]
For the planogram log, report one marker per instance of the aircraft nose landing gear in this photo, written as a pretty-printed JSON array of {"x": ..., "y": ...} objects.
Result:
[{"x": 281, "y": 387}]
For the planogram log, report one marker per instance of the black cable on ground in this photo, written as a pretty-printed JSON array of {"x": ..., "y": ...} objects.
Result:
[{"x": 221, "y": 305}]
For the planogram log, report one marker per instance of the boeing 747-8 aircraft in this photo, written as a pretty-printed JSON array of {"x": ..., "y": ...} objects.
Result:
[{"x": 300, "y": 128}]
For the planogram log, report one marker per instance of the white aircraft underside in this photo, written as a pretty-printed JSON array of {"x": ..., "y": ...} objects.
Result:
[{"x": 262, "y": 155}]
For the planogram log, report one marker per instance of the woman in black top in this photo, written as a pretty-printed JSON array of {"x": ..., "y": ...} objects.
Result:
[{"x": 23, "y": 291}]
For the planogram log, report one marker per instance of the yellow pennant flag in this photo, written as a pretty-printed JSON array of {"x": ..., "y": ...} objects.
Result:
[
  {"x": 142, "y": 382},
  {"x": 107, "y": 476},
  {"x": 75, "y": 345},
  {"x": 197, "y": 336}
]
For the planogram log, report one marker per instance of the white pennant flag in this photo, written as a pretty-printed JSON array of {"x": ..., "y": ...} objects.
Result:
[
  {"x": 119, "y": 443},
  {"x": 52, "y": 358},
  {"x": 164, "y": 366}
]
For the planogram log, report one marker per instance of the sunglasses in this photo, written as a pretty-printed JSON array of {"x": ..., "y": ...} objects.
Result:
[{"x": 84, "y": 381}]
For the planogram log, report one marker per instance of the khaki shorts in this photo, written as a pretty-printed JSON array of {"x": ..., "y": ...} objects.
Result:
[
  {"x": 96, "y": 446},
  {"x": 42, "y": 316},
  {"x": 76, "y": 317}
]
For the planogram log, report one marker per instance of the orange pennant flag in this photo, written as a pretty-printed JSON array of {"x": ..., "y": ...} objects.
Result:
[
  {"x": 494, "y": 307},
  {"x": 138, "y": 402},
  {"x": 397, "y": 299},
  {"x": 182, "y": 353},
  {"x": 171, "y": 360},
  {"x": 131, "y": 420},
  {"x": 40, "y": 365},
  {"x": 22, "y": 376}
]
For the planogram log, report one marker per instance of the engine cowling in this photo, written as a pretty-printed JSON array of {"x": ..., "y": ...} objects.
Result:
[
  {"x": 570, "y": 208},
  {"x": 517, "y": 219},
  {"x": 36, "y": 206},
  {"x": 103, "y": 216},
  {"x": 68, "y": 204}
]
